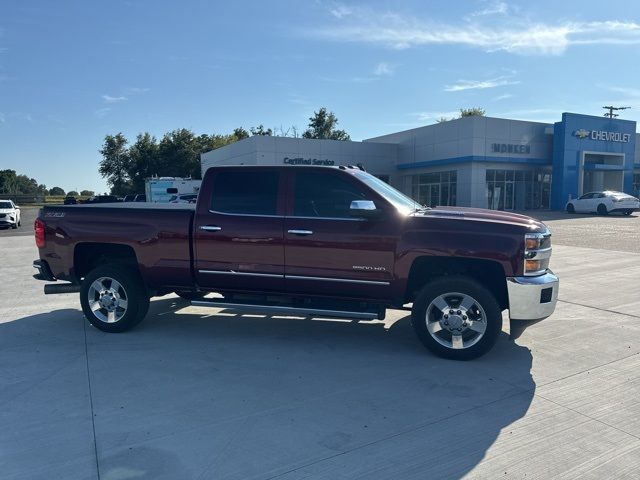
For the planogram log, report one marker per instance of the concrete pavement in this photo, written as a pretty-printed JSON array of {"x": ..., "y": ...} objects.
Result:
[{"x": 198, "y": 393}]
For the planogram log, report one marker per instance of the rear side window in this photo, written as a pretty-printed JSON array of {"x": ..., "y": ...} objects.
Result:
[
  {"x": 324, "y": 195},
  {"x": 249, "y": 193}
]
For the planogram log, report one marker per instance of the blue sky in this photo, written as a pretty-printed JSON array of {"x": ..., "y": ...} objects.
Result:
[{"x": 71, "y": 72}]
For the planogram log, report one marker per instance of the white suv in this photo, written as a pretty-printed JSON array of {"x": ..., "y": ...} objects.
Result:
[{"x": 9, "y": 214}]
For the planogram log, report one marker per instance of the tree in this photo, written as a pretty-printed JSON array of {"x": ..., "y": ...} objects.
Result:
[
  {"x": 13, "y": 184},
  {"x": 323, "y": 125},
  {"x": 472, "y": 112},
  {"x": 84, "y": 193},
  {"x": 114, "y": 165},
  {"x": 56, "y": 191},
  {"x": 240, "y": 133},
  {"x": 144, "y": 160},
  {"x": 260, "y": 130},
  {"x": 73, "y": 193}
]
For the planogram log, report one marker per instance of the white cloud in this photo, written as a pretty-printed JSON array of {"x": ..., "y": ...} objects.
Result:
[
  {"x": 110, "y": 99},
  {"x": 340, "y": 11},
  {"x": 515, "y": 35},
  {"x": 504, "y": 96},
  {"x": 2, "y": 118},
  {"x": 103, "y": 112},
  {"x": 135, "y": 90},
  {"x": 461, "y": 85},
  {"x": 383, "y": 69},
  {"x": 494, "y": 8}
]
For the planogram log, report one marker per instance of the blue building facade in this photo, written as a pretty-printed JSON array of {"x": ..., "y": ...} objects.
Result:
[{"x": 591, "y": 153}]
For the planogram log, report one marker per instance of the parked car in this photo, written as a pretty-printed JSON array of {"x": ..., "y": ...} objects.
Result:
[
  {"x": 129, "y": 198},
  {"x": 604, "y": 203},
  {"x": 305, "y": 241},
  {"x": 184, "y": 198},
  {"x": 70, "y": 200},
  {"x": 9, "y": 214},
  {"x": 102, "y": 199},
  {"x": 141, "y": 197}
]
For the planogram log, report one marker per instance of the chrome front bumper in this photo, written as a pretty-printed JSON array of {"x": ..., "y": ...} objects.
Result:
[{"x": 532, "y": 298}]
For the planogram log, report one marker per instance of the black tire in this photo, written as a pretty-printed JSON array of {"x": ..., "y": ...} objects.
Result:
[
  {"x": 571, "y": 208},
  {"x": 458, "y": 285},
  {"x": 627, "y": 212},
  {"x": 14, "y": 226},
  {"x": 131, "y": 289},
  {"x": 602, "y": 209},
  {"x": 190, "y": 295}
]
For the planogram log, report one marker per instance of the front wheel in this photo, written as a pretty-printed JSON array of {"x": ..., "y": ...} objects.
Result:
[
  {"x": 113, "y": 298},
  {"x": 457, "y": 318}
]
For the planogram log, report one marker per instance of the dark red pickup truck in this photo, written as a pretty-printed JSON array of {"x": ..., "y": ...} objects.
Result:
[{"x": 304, "y": 241}]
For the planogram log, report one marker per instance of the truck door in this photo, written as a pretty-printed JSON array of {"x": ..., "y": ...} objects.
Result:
[
  {"x": 238, "y": 230},
  {"x": 329, "y": 252}
]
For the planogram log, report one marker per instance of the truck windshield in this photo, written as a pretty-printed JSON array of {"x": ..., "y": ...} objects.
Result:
[{"x": 399, "y": 200}]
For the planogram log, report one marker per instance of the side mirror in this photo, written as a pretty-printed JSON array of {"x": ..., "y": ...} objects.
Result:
[{"x": 364, "y": 209}]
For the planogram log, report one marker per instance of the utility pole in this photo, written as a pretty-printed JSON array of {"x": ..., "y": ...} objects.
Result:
[{"x": 611, "y": 109}]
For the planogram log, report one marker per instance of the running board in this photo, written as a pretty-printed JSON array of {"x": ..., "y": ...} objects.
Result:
[{"x": 288, "y": 311}]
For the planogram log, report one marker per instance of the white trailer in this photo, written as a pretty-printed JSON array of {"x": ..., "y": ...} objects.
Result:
[{"x": 161, "y": 189}]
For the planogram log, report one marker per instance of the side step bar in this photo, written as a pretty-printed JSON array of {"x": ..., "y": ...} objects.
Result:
[
  {"x": 55, "y": 288},
  {"x": 290, "y": 311}
]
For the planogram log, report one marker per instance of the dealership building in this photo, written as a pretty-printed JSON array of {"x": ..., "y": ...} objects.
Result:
[{"x": 476, "y": 161}]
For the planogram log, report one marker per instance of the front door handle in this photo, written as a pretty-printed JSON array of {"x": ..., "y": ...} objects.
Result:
[
  {"x": 210, "y": 228},
  {"x": 300, "y": 232}
]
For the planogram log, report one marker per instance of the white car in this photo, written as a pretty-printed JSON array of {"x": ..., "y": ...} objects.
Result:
[
  {"x": 9, "y": 214},
  {"x": 603, "y": 203}
]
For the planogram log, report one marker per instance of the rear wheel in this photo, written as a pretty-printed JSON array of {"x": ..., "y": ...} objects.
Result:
[
  {"x": 113, "y": 298},
  {"x": 602, "y": 209},
  {"x": 571, "y": 208},
  {"x": 456, "y": 318},
  {"x": 628, "y": 212}
]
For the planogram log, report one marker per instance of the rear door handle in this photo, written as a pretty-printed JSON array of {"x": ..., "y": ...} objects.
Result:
[
  {"x": 300, "y": 232},
  {"x": 210, "y": 228}
]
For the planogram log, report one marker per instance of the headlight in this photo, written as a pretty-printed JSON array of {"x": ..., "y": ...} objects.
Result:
[{"x": 537, "y": 253}]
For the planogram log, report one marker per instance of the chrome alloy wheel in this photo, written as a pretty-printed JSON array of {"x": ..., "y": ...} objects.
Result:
[
  {"x": 456, "y": 320},
  {"x": 107, "y": 300}
]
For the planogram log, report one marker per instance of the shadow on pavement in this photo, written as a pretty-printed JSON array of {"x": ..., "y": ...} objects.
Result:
[{"x": 198, "y": 394}]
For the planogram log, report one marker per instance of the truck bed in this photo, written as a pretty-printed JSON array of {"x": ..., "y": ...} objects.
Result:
[{"x": 159, "y": 235}]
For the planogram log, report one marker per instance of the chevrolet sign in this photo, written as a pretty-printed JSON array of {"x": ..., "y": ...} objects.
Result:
[{"x": 603, "y": 135}]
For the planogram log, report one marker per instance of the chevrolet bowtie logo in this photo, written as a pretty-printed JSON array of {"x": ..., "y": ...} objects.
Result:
[{"x": 582, "y": 133}]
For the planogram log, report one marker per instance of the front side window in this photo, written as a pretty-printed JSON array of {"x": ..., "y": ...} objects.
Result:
[
  {"x": 246, "y": 192},
  {"x": 324, "y": 195}
]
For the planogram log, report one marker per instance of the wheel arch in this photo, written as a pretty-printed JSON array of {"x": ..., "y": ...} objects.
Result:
[
  {"x": 87, "y": 256},
  {"x": 489, "y": 273}
]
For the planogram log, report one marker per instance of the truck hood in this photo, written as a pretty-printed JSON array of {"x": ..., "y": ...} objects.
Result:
[{"x": 484, "y": 215}]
